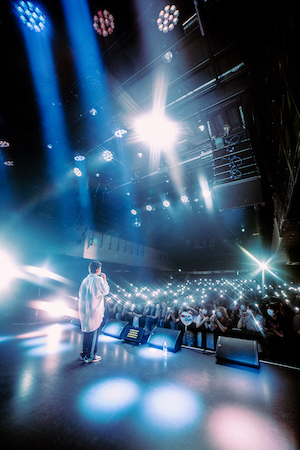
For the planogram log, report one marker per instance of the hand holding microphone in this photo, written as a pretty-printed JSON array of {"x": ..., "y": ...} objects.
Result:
[{"x": 103, "y": 276}]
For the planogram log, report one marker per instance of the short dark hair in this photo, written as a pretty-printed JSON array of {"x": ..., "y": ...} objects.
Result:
[{"x": 94, "y": 265}]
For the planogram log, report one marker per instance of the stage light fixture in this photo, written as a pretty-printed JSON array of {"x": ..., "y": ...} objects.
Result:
[
  {"x": 136, "y": 222},
  {"x": 166, "y": 203},
  {"x": 134, "y": 212},
  {"x": 104, "y": 23},
  {"x": 79, "y": 158},
  {"x": 93, "y": 112},
  {"x": 4, "y": 144},
  {"x": 156, "y": 130},
  {"x": 149, "y": 208},
  {"x": 167, "y": 18},
  {"x": 9, "y": 163},
  {"x": 107, "y": 155},
  {"x": 120, "y": 132},
  {"x": 184, "y": 198},
  {"x": 77, "y": 172},
  {"x": 167, "y": 57},
  {"x": 31, "y": 16}
]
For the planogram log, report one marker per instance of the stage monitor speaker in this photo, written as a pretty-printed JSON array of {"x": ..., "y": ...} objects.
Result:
[
  {"x": 115, "y": 328},
  {"x": 133, "y": 334},
  {"x": 238, "y": 194},
  {"x": 239, "y": 351},
  {"x": 159, "y": 336}
]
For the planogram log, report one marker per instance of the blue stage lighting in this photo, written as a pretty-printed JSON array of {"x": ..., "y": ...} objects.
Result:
[
  {"x": 77, "y": 172},
  {"x": 31, "y": 16},
  {"x": 108, "y": 156}
]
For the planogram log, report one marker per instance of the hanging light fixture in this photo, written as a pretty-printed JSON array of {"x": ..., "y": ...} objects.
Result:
[
  {"x": 31, "y": 16},
  {"x": 103, "y": 23},
  {"x": 167, "y": 18}
]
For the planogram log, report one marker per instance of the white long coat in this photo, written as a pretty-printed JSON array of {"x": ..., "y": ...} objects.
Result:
[{"x": 91, "y": 302}]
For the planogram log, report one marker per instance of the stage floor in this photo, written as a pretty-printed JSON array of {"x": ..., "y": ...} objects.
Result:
[{"x": 136, "y": 398}]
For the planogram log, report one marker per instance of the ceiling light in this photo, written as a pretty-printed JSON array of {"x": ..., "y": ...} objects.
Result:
[
  {"x": 136, "y": 222},
  {"x": 79, "y": 158},
  {"x": 167, "y": 57},
  {"x": 166, "y": 203},
  {"x": 31, "y": 16},
  {"x": 184, "y": 199},
  {"x": 107, "y": 155},
  {"x": 4, "y": 144},
  {"x": 156, "y": 130},
  {"x": 104, "y": 23},
  {"x": 77, "y": 172},
  {"x": 134, "y": 212},
  {"x": 120, "y": 132},
  {"x": 167, "y": 18},
  {"x": 93, "y": 112},
  {"x": 149, "y": 208}
]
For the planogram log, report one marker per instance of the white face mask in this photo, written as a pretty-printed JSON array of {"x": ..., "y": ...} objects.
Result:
[
  {"x": 219, "y": 314},
  {"x": 270, "y": 312}
]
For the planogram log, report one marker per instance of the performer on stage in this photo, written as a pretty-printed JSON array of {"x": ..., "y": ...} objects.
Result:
[{"x": 91, "y": 310}]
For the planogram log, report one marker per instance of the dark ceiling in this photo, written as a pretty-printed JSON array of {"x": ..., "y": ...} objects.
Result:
[{"x": 235, "y": 69}]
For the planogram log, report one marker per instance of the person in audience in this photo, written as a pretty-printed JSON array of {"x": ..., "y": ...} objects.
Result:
[
  {"x": 152, "y": 317},
  {"x": 220, "y": 321},
  {"x": 172, "y": 317},
  {"x": 118, "y": 310},
  {"x": 279, "y": 332},
  {"x": 109, "y": 313},
  {"x": 251, "y": 320},
  {"x": 296, "y": 323}
]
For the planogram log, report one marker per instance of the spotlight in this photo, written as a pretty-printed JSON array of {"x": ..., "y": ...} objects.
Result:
[
  {"x": 184, "y": 199},
  {"x": 31, "y": 16},
  {"x": 120, "y": 132},
  {"x": 149, "y": 208},
  {"x": 79, "y": 158},
  {"x": 93, "y": 112},
  {"x": 77, "y": 172},
  {"x": 9, "y": 163},
  {"x": 134, "y": 212},
  {"x": 107, "y": 155},
  {"x": 156, "y": 130},
  {"x": 167, "y": 57},
  {"x": 104, "y": 23},
  {"x": 166, "y": 203},
  {"x": 167, "y": 18},
  {"x": 4, "y": 144},
  {"x": 136, "y": 222}
]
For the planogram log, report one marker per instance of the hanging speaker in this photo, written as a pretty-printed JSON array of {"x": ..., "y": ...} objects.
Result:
[
  {"x": 238, "y": 194},
  {"x": 159, "y": 336},
  {"x": 239, "y": 351},
  {"x": 115, "y": 328}
]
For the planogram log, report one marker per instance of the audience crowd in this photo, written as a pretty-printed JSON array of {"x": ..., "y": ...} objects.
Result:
[{"x": 270, "y": 319}]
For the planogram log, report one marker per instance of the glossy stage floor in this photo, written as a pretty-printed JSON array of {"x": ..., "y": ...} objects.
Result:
[{"x": 138, "y": 398}]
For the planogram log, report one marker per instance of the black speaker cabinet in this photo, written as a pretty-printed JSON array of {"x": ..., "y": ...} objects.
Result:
[
  {"x": 159, "y": 336},
  {"x": 239, "y": 351},
  {"x": 133, "y": 334},
  {"x": 115, "y": 328},
  {"x": 238, "y": 194}
]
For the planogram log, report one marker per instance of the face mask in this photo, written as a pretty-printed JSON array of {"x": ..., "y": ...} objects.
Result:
[
  {"x": 219, "y": 314},
  {"x": 270, "y": 312}
]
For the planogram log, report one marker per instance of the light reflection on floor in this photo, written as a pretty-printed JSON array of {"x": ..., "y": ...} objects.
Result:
[
  {"x": 233, "y": 427},
  {"x": 113, "y": 396}
]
